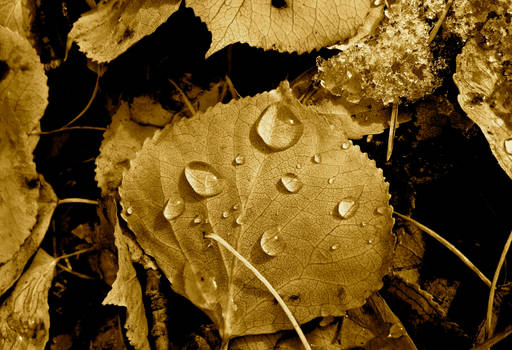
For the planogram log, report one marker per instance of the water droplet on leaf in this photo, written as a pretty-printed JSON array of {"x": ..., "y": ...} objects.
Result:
[
  {"x": 225, "y": 214},
  {"x": 291, "y": 182},
  {"x": 298, "y": 166},
  {"x": 129, "y": 211},
  {"x": 197, "y": 219},
  {"x": 370, "y": 241},
  {"x": 239, "y": 159},
  {"x": 347, "y": 207},
  {"x": 396, "y": 331},
  {"x": 377, "y": 3},
  {"x": 317, "y": 159},
  {"x": 382, "y": 210},
  {"x": 508, "y": 146},
  {"x": 345, "y": 145},
  {"x": 331, "y": 180},
  {"x": 238, "y": 220},
  {"x": 203, "y": 179},
  {"x": 174, "y": 208},
  {"x": 279, "y": 127},
  {"x": 271, "y": 242},
  {"x": 334, "y": 247},
  {"x": 235, "y": 207}
]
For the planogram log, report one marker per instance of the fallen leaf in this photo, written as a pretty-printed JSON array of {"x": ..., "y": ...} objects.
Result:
[
  {"x": 286, "y": 26},
  {"x": 23, "y": 99},
  {"x": 24, "y": 317},
  {"x": 17, "y": 15},
  {"x": 126, "y": 291},
  {"x": 121, "y": 141},
  {"x": 114, "y": 26},
  {"x": 282, "y": 186},
  {"x": 485, "y": 95}
]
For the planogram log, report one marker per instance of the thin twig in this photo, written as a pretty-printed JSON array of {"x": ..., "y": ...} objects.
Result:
[
  {"x": 448, "y": 245},
  {"x": 78, "y": 274},
  {"x": 69, "y": 129},
  {"x": 490, "y": 302},
  {"x": 184, "y": 97},
  {"x": 392, "y": 128},
  {"x": 494, "y": 340},
  {"x": 267, "y": 284},
  {"x": 78, "y": 252},
  {"x": 93, "y": 96},
  {"x": 440, "y": 21},
  {"x": 77, "y": 200}
]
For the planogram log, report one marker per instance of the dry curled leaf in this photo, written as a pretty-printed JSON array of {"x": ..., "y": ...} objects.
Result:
[
  {"x": 24, "y": 317},
  {"x": 486, "y": 95},
  {"x": 126, "y": 291},
  {"x": 114, "y": 26},
  {"x": 284, "y": 187},
  {"x": 23, "y": 98}
]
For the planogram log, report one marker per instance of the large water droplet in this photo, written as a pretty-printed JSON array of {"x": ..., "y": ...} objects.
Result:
[
  {"x": 271, "y": 241},
  {"x": 239, "y": 159},
  {"x": 203, "y": 179},
  {"x": 347, "y": 207},
  {"x": 279, "y": 127},
  {"x": 508, "y": 146},
  {"x": 396, "y": 331},
  {"x": 174, "y": 208},
  {"x": 317, "y": 159},
  {"x": 291, "y": 182}
]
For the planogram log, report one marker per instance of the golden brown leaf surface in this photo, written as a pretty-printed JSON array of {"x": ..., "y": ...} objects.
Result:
[
  {"x": 260, "y": 166},
  {"x": 23, "y": 98}
]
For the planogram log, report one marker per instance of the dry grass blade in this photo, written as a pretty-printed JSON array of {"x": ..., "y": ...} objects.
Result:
[
  {"x": 494, "y": 340},
  {"x": 448, "y": 245},
  {"x": 185, "y": 98},
  {"x": 440, "y": 21},
  {"x": 392, "y": 128},
  {"x": 490, "y": 303}
]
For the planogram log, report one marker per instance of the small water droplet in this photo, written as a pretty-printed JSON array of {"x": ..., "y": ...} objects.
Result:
[
  {"x": 239, "y": 159},
  {"x": 345, "y": 145},
  {"x": 235, "y": 207},
  {"x": 508, "y": 146},
  {"x": 271, "y": 242},
  {"x": 225, "y": 214},
  {"x": 298, "y": 166},
  {"x": 362, "y": 224},
  {"x": 291, "y": 182},
  {"x": 334, "y": 247},
  {"x": 382, "y": 210},
  {"x": 174, "y": 208},
  {"x": 238, "y": 220},
  {"x": 370, "y": 241},
  {"x": 129, "y": 211},
  {"x": 331, "y": 180},
  {"x": 214, "y": 283},
  {"x": 198, "y": 219},
  {"x": 203, "y": 179},
  {"x": 396, "y": 331},
  {"x": 279, "y": 127},
  {"x": 316, "y": 158},
  {"x": 347, "y": 207},
  {"x": 349, "y": 74},
  {"x": 377, "y": 3}
]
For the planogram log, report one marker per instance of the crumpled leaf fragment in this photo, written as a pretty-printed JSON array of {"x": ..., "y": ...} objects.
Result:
[
  {"x": 17, "y": 15},
  {"x": 24, "y": 317},
  {"x": 126, "y": 291},
  {"x": 114, "y": 26},
  {"x": 121, "y": 141},
  {"x": 23, "y": 98},
  {"x": 335, "y": 226},
  {"x": 296, "y": 26},
  {"x": 485, "y": 94}
]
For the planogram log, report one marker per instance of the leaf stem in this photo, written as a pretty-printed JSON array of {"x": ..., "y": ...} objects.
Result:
[
  {"x": 448, "y": 245},
  {"x": 439, "y": 22},
  {"x": 267, "y": 284},
  {"x": 78, "y": 274},
  {"x": 184, "y": 97},
  {"x": 77, "y": 200},
  {"x": 69, "y": 129},
  {"x": 78, "y": 252},
  {"x": 490, "y": 302},
  {"x": 89, "y": 103}
]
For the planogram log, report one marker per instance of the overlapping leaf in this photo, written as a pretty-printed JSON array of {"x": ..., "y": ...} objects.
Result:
[
  {"x": 287, "y": 26},
  {"x": 281, "y": 185},
  {"x": 23, "y": 98}
]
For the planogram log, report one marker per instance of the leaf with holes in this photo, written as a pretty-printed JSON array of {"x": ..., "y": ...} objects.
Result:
[{"x": 284, "y": 187}]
